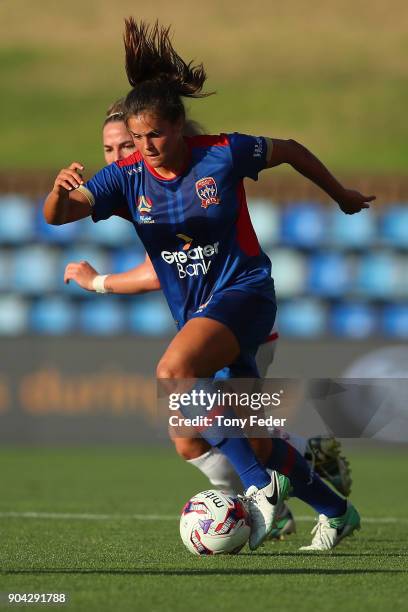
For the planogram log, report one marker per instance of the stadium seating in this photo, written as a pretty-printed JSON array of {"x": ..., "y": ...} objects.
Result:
[
  {"x": 53, "y": 315},
  {"x": 13, "y": 315},
  {"x": 265, "y": 218},
  {"x": 302, "y": 318},
  {"x": 335, "y": 274},
  {"x": 34, "y": 269},
  {"x": 330, "y": 274},
  {"x": 150, "y": 315},
  {"x": 304, "y": 224},
  {"x": 354, "y": 320},
  {"x": 16, "y": 220},
  {"x": 379, "y": 275},
  {"x": 395, "y": 321},
  {"x": 393, "y": 226},
  {"x": 102, "y": 316},
  {"x": 113, "y": 233},
  {"x": 289, "y": 269},
  {"x": 352, "y": 231}
]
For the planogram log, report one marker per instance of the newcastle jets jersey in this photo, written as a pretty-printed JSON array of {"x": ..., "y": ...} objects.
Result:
[{"x": 195, "y": 227}]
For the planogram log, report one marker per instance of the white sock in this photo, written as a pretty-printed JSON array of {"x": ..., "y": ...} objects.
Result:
[{"x": 218, "y": 470}]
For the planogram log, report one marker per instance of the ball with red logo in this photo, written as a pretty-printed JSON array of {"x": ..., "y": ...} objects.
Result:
[{"x": 213, "y": 522}]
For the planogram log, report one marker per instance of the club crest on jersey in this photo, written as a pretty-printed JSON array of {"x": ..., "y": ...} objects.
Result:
[
  {"x": 144, "y": 206},
  {"x": 206, "y": 189}
]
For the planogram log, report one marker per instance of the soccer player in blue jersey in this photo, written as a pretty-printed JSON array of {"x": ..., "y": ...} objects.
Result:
[
  {"x": 186, "y": 199},
  {"x": 324, "y": 452}
]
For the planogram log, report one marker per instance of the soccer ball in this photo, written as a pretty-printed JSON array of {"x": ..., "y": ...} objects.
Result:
[{"x": 214, "y": 523}]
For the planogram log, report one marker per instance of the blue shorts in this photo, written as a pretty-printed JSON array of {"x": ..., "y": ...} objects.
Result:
[{"x": 250, "y": 317}]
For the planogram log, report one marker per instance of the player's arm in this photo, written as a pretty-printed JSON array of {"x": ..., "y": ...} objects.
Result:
[
  {"x": 140, "y": 279},
  {"x": 65, "y": 203},
  {"x": 301, "y": 159}
]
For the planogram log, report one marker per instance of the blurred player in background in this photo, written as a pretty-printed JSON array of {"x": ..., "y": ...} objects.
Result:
[
  {"x": 117, "y": 142},
  {"x": 161, "y": 187},
  {"x": 322, "y": 453}
]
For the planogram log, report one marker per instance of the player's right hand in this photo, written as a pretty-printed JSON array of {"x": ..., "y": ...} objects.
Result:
[
  {"x": 352, "y": 201},
  {"x": 68, "y": 178},
  {"x": 82, "y": 273}
]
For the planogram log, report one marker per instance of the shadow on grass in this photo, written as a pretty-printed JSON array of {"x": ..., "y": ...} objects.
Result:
[{"x": 204, "y": 572}]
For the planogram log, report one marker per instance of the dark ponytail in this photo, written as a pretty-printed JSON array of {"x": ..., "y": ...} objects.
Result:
[{"x": 158, "y": 75}]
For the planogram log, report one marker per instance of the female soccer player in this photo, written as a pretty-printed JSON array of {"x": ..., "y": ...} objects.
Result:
[
  {"x": 187, "y": 201},
  {"x": 117, "y": 142}
]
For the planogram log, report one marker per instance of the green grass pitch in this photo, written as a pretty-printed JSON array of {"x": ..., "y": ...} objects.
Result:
[{"x": 126, "y": 554}]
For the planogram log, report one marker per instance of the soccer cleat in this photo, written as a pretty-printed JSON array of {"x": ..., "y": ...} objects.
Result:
[
  {"x": 330, "y": 531},
  {"x": 324, "y": 454},
  {"x": 283, "y": 525},
  {"x": 262, "y": 505}
]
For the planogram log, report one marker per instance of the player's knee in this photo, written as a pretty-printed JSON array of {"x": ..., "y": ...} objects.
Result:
[
  {"x": 164, "y": 370},
  {"x": 171, "y": 369},
  {"x": 190, "y": 448}
]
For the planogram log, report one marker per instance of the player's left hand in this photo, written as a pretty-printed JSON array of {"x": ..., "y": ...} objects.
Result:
[
  {"x": 82, "y": 273},
  {"x": 353, "y": 201}
]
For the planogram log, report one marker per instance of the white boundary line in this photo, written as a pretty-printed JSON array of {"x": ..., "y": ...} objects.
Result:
[
  {"x": 89, "y": 517},
  {"x": 156, "y": 517}
]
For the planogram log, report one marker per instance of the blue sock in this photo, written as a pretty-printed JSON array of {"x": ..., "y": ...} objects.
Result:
[
  {"x": 240, "y": 454},
  {"x": 306, "y": 485}
]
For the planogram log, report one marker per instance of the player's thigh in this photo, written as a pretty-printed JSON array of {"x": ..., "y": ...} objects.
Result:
[{"x": 200, "y": 348}]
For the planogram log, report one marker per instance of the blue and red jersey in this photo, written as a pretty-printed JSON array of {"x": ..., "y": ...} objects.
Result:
[{"x": 195, "y": 227}]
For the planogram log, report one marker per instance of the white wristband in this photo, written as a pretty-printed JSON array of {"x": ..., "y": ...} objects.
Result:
[{"x": 98, "y": 283}]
